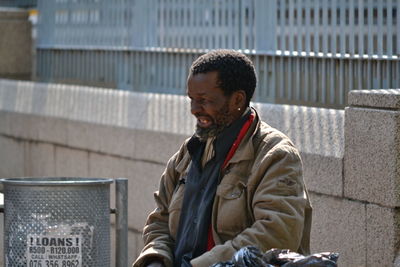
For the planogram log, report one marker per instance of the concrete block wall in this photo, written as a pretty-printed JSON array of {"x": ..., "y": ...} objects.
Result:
[
  {"x": 60, "y": 130},
  {"x": 371, "y": 169}
]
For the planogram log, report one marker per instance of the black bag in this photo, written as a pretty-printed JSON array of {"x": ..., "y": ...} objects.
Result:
[{"x": 252, "y": 257}]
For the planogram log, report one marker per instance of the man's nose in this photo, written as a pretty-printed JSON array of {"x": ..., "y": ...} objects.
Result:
[{"x": 195, "y": 107}]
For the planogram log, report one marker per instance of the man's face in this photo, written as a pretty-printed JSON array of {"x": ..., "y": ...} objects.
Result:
[{"x": 214, "y": 111}]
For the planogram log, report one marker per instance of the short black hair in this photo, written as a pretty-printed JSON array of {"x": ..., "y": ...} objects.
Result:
[{"x": 235, "y": 71}]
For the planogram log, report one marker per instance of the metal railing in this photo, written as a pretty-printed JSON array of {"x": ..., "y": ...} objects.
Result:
[
  {"x": 306, "y": 51},
  {"x": 313, "y": 81}
]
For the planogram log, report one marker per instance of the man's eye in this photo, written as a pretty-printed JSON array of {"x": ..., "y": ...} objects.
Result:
[{"x": 197, "y": 101}]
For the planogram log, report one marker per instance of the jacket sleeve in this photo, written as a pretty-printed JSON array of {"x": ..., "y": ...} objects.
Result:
[
  {"x": 278, "y": 206},
  {"x": 157, "y": 239}
]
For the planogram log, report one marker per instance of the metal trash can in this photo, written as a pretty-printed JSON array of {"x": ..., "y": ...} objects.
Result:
[{"x": 57, "y": 222}]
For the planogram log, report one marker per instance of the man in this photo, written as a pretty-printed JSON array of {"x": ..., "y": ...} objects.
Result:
[{"x": 235, "y": 182}]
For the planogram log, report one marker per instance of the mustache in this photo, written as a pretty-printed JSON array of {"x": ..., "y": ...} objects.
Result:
[
  {"x": 204, "y": 116},
  {"x": 201, "y": 115}
]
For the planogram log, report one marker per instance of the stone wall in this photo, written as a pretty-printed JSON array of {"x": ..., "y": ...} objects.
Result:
[{"x": 60, "y": 130}]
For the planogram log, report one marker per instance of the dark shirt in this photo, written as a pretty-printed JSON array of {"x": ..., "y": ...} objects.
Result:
[{"x": 200, "y": 187}]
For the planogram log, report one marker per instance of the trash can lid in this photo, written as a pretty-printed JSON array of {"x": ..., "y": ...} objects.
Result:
[{"x": 55, "y": 181}]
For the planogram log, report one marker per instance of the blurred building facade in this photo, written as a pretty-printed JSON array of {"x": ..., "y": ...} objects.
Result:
[{"x": 306, "y": 52}]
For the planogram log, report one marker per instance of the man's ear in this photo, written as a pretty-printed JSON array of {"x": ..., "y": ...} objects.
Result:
[{"x": 239, "y": 99}]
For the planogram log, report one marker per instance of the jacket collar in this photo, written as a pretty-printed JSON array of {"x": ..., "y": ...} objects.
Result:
[{"x": 245, "y": 150}]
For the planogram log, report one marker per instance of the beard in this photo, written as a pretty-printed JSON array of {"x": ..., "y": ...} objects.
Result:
[{"x": 219, "y": 123}]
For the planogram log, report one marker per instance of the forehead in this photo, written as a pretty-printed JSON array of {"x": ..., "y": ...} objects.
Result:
[{"x": 203, "y": 83}]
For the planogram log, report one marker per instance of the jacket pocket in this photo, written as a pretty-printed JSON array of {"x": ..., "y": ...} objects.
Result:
[
  {"x": 174, "y": 209},
  {"x": 232, "y": 210}
]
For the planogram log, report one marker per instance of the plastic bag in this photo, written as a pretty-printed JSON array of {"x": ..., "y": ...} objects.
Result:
[
  {"x": 252, "y": 257},
  {"x": 287, "y": 258},
  {"x": 247, "y": 256}
]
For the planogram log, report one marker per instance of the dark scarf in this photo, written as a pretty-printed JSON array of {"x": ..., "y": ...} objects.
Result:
[{"x": 200, "y": 187}]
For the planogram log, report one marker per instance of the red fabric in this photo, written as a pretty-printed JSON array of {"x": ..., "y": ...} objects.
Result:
[
  {"x": 210, "y": 239},
  {"x": 235, "y": 145},
  {"x": 242, "y": 133}
]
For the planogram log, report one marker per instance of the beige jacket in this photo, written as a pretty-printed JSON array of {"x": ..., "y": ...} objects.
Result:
[{"x": 261, "y": 201}]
